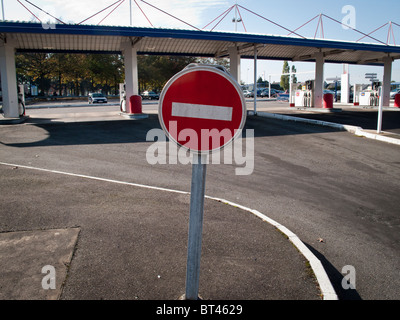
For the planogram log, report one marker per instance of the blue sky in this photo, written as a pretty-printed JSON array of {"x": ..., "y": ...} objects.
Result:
[{"x": 368, "y": 15}]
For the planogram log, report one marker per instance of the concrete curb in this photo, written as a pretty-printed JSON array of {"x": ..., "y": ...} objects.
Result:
[
  {"x": 52, "y": 106},
  {"x": 358, "y": 131},
  {"x": 363, "y": 133},
  {"x": 327, "y": 290}
]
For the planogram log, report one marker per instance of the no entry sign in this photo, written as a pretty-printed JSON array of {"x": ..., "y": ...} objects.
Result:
[{"x": 202, "y": 108}]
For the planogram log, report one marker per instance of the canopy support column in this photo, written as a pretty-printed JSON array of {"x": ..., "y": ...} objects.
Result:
[
  {"x": 8, "y": 80},
  {"x": 255, "y": 80},
  {"x": 387, "y": 78},
  {"x": 319, "y": 80},
  {"x": 131, "y": 71},
  {"x": 234, "y": 58}
]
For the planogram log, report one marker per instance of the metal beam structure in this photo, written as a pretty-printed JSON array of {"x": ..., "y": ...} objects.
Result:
[{"x": 88, "y": 38}]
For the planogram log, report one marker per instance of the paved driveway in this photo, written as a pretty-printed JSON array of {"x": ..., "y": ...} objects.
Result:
[{"x": 337, "y": 192}]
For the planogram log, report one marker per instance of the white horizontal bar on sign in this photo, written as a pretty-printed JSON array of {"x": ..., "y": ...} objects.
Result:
[{"x": 201, "y": 111}]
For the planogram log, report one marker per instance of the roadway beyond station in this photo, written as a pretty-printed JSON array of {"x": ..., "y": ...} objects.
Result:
[{"x": 337, "y": 192}]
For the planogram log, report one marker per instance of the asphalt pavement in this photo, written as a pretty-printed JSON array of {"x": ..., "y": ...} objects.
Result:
[
  {"x": 132, "y": 244},
  {"x": 78, "y": 195}
]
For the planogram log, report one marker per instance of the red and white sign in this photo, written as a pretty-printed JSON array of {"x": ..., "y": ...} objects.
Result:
[{"x": 202, "y": 109}]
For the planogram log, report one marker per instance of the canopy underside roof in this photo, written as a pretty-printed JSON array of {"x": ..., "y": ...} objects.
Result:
[{"x": 83, "y": 38}]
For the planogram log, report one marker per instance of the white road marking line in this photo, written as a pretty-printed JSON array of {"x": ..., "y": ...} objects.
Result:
[
  {"x": 201, "y": 111},
  {"x": 94, "y": 178}
]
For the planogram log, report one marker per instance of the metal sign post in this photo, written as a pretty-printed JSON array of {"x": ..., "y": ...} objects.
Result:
[
  {"x": 2, "y": 9},
  {"x": 379, "y": 128},
  {"x": 199, "y": 169}
]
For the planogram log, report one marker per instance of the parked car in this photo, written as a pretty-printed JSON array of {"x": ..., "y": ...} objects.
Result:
[
  {"x": 150, "y": 95},
  {"x": 97, "y": 98},
  {"x": 265, "y": 93},
  {"x": 393, "y": 93},
  {"x": 248, "y": 94},
  {"x": 339, "y": 96}
]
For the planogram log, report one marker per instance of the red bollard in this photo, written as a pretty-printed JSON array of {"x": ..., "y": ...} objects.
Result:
[
  {"x": 397, "y": 100},
  {"x": 328, "y": 100},
  {"x": 134, "y": 108},
  {"x": 135, "y": 104}
]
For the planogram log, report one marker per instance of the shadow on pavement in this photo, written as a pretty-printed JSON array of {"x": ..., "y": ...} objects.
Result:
[
  {"x": 365, "y": 119},
  {"x": 335, "y": 277},
  {"x": 135, "y": 131}
]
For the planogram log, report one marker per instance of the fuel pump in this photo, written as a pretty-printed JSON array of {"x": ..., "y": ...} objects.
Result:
[
  {"x": 299, "y": 98},
  {"x": 356, "y": 94},
  {"x": 21, "y": 99},
  {"x": 305, "y": 99},
  {"x": 309, "y": 94},
  {"x": 122, "y": 97},
  {"x": 371, "y": 96},
  {"x": 374, "y": 102}
]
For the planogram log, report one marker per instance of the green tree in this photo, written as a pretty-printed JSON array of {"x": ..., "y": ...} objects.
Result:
[
  {"x": 294, "y": 78},
  {"x": 105, "y": 72},
  {"x": 35, "y": 67},
  {"x": 261, "y": 82},
  {"x": 155, "y": 71},
  {"x": 76, "y": 74},
  {"x": 64, "y": 67},
  {"x": 285, "y": 78}
]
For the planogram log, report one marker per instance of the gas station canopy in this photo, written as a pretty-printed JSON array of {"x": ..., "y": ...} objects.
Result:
[{"x": 35, "y": 37}]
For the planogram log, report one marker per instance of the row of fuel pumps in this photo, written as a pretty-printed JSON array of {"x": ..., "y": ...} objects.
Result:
[
  {"x": 305, "y": 97},
  {"x": 370, "y": 97}
]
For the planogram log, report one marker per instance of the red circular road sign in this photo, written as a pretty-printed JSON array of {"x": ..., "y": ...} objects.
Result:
[{"x": 202, "y": 108}]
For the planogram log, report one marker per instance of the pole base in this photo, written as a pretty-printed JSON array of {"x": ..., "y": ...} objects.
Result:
[
  {"x": 183, "y": 297},
  {"x": 134, "y": 116},
  {"x": 326, "y": 110}
]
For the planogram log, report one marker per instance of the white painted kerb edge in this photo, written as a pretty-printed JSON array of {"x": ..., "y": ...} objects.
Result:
[
  {"x": 327, "y": 290},
  {"x": 358, "y": 131}
]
